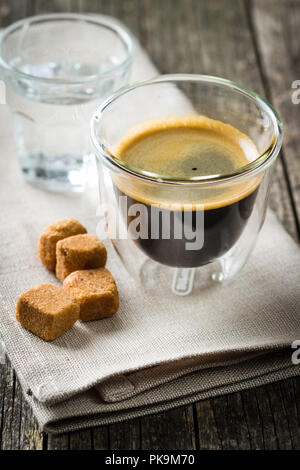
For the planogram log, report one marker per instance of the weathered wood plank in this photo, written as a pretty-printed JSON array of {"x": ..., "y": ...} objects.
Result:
[
  {"x": 291, "y": 402},
  {"x": 254, "y": 424},
  {"x": 91, "y": 6},
  {"x": 12, "y": 10},
  {"x": 31, "y": 437},
  {"x": 58, "y": 442},
  {"x": 81, "y": 440},
  {"x": 279, "y": 413},
  {"x": 127, "y": 11},
  {"x": 170, "y": 430},
  {"x": 266, "y": 417},
  {"x": 208, "y": 432},
  {"x": 231, "y": 422},
  {"x": 9, "y": 433},
  {"x": 125, "y": 436},
  {"x": 19, "y": 429},
  {"x": 276, "y": 30},
  {"x": 54, "y": 6},
  {"x": 100, "y": 438},
  {"x": 295, "y": 414}
]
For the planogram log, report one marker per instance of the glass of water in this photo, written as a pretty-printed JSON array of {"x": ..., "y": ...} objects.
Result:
[{"x": 57, "y": 68}]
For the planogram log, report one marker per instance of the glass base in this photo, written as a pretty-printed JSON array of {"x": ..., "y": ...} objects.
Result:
[
  {"x": 184, "y": 281},
  {"x": 59, "y": 173},
  {"x": 180, "y": 281}
]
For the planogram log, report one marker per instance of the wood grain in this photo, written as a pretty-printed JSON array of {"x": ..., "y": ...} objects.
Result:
[
  {"x": 125, "y": 436},
  {"x": 276, "y": 28},
  {"x": 170, "y": 430},
  {"x": 18, "y": 427},
  {"x": 208, "y": 430},
  {"x": 12, "y": 10},
  {"x": 252, "y": 42}
]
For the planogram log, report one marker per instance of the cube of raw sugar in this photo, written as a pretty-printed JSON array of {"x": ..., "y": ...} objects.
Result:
[
  {"x": 52, "y": 234},
  {"x": 95, "y": 291},
  {"x": 79, "y": 252},
  {"x": 47, "y": 311}
]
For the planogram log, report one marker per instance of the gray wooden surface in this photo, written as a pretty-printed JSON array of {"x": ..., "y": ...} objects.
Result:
[{"x": 256, "y": 43}]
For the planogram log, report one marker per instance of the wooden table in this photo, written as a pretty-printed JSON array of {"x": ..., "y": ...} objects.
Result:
[{"x": 253, "y": 42}]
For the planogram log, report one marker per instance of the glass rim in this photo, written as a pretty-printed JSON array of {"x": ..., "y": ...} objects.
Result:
[
  {"x": 122, "y": 32},
  {"x": 259, "y": 164}
]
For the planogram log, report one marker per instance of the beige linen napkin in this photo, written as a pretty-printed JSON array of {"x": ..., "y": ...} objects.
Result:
[{"x": 152, "y": 355}]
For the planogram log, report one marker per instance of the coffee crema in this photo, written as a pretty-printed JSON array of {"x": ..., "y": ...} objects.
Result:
[
  {"x": 182, "y": 148},
  {"x": 186, "y": 147}
]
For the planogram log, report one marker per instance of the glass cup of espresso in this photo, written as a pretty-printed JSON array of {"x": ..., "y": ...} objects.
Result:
[{"x": 185, "y": 165}]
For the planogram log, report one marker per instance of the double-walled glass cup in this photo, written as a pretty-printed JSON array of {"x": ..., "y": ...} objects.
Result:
[
  {"x": 57, "y": 69},
  {"x": 178, "y": 231}
]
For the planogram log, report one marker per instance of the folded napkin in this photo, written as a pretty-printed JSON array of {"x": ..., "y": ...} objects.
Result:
[{"x": 153, "y": 355}]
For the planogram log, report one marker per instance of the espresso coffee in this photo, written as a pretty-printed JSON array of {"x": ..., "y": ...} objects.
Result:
[{"x": 189, "y": 225}]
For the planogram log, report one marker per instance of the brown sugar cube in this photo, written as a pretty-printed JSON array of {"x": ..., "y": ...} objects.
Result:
[
  {"x": 52, "y": 234},
  {"x": 96, "y": 292},
  {"x": 79, "y": 252},
  {"x": 47, "y": 311}
]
